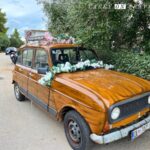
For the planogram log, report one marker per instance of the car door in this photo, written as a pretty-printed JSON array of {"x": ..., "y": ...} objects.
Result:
[
  {"x": 17, "y": 73},
  {"x": 37, "y": 92},
  {"x": 23, "y": 69}
]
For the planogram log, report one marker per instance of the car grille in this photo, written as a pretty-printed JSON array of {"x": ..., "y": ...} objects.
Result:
[{"x": 130, "y": 107}]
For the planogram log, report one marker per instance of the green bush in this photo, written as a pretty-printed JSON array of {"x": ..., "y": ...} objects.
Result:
[
  {"x": 132, "y": 63},
  {"x": 98, "y": 25}
]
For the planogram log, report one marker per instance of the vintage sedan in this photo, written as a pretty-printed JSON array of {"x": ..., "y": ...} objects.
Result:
[
  {"x": 96, "y": 105},
  {"x": 10, "y": 50}
]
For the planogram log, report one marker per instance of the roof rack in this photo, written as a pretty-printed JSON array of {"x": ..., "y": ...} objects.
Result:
[{"x": 43, "y": 37}]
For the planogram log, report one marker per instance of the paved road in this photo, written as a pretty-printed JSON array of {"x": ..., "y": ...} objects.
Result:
[{"x": 24, "y": 126}]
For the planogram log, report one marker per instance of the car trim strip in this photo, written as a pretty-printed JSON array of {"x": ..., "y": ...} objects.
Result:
[
  {"x": 52, "y": 111},
  {"x": 23, "y": 91}
]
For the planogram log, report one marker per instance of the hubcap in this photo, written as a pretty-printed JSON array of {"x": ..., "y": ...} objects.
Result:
[
  {"x": 17, "y": 91},
  {"x": 74, "y": 131}
]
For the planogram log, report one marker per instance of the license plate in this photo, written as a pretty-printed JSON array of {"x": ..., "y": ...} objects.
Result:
[{"x": 136, "y": 133}]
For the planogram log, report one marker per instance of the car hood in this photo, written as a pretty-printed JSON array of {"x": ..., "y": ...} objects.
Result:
[{"x": 110, "y": 86}]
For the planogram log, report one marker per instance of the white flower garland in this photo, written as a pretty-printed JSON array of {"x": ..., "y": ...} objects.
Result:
[
  {"x": 67, "y": 67},
  {"x": 46, "y": 79}
]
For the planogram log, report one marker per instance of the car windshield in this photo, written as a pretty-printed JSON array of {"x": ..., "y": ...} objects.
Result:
[{"x": 72, "y": 55}]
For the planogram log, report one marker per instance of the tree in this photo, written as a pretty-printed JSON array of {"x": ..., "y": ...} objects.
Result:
[
  {"x": 3, "y": 21},
  {"x": 15, "y": 40},
  {"x": 98, "y": 24},
  {"x": 4, "y": 41}
]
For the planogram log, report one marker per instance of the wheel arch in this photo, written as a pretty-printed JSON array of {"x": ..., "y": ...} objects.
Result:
[
  {"x": 64, "y": 111},
  {"x": 96, "y": 124},
  {"x": 13, "y": 82}
]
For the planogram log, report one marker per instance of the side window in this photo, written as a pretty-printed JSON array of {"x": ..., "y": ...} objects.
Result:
[
  {"x": 61, "y": 56},
  {"x": 24, "y": 57},
  {"x": 27, "y": 57},
  {"x": 19, "y": 59},
  {"x": 41, "y": 59}
]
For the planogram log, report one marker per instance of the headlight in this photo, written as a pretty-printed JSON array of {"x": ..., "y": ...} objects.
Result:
[
  {"x": 115, "y": 113},
  {"x": 149, "y": 100}
]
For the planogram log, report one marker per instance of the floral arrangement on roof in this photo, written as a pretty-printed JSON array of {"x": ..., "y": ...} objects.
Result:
[
  {"x": 61, "y": 38},
  {"x": 67, "y": 67},
  {"x": 41, "y": 37}
]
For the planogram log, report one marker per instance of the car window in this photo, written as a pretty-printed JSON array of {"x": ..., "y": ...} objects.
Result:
[
  {"x": 87, "y": 54},
  {"x": 41, "y": 59},
  {"x": 19, "y": 58},
  {"x": 27, "y": 57},
  {"x": 59, "y": 56},
  {"x": 72, "y": 55}
]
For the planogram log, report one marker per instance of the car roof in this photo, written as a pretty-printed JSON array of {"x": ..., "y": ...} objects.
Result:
[
  {"x": 11, "y": 48},
  {"x": 51, "y": 46}
]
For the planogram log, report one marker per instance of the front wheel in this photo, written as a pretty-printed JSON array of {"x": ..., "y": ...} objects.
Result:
[
  {"x": 19, "y": 96},
  {"x": 77, "y": 131}
]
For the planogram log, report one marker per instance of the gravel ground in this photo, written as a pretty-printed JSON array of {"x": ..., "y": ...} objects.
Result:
[{"x": 25, "y": 126}]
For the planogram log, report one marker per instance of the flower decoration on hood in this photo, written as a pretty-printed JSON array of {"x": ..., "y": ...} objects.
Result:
[{"x": 67, "y": 67}]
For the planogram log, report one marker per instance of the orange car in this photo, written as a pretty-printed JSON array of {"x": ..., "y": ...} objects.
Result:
[{"x": 96, "y": 105}]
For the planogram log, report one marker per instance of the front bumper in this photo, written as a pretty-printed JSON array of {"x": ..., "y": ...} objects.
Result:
[{"x": 119, "y": 134}]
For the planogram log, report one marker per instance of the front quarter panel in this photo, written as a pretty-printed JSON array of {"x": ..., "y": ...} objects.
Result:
[{"x": 84, "y": 102}]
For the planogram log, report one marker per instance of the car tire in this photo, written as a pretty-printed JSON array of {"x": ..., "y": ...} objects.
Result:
[
  {"x": 77, "y": 131},
  {"x": 19, "y": 96}
]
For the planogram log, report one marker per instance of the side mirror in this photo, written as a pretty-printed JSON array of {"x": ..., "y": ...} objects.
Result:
[{"x": 43, "y": 70}]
